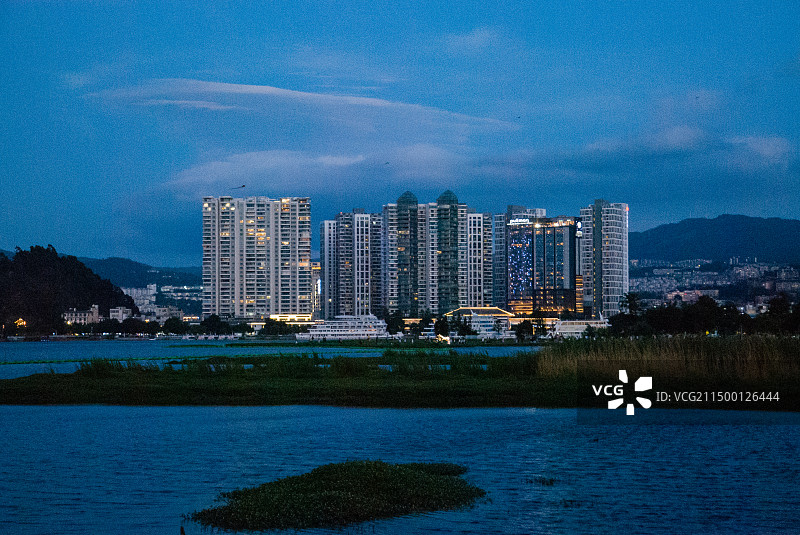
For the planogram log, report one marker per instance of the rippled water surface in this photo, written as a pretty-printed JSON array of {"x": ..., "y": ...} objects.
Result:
[{"x": 121, "y": 470}]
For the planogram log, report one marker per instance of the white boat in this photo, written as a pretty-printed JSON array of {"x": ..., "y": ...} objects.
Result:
[{"x": 347, "y": 328}]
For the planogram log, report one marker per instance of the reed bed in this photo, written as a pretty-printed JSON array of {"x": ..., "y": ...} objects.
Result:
[{"x": 746, "y": 358}]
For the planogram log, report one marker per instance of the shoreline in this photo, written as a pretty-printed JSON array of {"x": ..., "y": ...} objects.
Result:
[{"x": 756, "y": 373}]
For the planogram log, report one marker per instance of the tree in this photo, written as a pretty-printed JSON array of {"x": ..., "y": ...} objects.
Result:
[
  {"x": 175, "y": 326},
  {"x": 524, "y": 330},
  {"x": 394, "y": 323},
  {"x": 630, "y": 303},
  {"x": 133, "y": 326},
  {"x": 442, "y": 327},
  {"x": 701, "y": 317},
  {"x": 242, "y": 328},
  {"x": 665, "y": 319},
  {"x": 108, "y": 326},
  {"x": 214, "y": 325}
]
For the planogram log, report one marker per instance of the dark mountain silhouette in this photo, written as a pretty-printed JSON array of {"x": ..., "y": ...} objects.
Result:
[
  {"x": 127, "y": 273},
  {"x": 39, "y": 285},
  {"x": 769, "y": 240}
]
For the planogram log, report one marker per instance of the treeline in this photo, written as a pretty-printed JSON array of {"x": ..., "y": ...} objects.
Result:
[
  {"x": 441, "y": 324},
  {"x": 211, "y": 325},
  {"x": 703, "y": 317},
  {"x": 38, "y": 286}
]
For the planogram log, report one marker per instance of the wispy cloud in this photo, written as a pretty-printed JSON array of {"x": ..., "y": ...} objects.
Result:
[
  {"x": 182, "y": 86},
  {"x": 337, "y": 68},
  {"x": 187, "y": 104},
  {"x": 268, "y": 170},
  {"x": 474, "y": 42}
]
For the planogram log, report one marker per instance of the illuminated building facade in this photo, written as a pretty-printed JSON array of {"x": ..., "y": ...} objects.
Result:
[
  {"x": 257, "y": 257},
  {"x": 542, "y": 266},
  {"x": 500, "y": 282}
]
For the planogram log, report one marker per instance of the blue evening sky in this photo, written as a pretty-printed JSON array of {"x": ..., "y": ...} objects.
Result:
[{"x": 119, "y": 116}]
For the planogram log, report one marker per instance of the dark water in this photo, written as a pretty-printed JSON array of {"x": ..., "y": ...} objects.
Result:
[
  {"x": 126, "y": 470},
  {"x": 54, "y": 354}
]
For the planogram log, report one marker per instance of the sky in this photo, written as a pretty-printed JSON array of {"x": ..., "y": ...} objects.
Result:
[{"x": 118, "y": 117}]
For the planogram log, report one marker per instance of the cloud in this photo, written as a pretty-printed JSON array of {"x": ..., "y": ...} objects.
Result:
[
  {"x": 115, "y": 71},
  {"x": 182, "y": 86},
  {"x": 263, "y": 171},
  {"x": 680, "y": 152},
  {"x": 473, "y": 42},
  {"x": 188, "y": 104},
  {"x": 751, "y": 154},
  {"x": 335, "y": 68},
  {"x": 249, "y": 118}
]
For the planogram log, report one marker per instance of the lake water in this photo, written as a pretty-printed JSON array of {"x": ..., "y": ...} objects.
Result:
[
  {"x": 61, "y": 356},
  {"x": 137, "y": 470}
]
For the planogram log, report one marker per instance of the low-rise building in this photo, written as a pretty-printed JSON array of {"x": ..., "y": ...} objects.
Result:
[
  {"x": 120, "y": 314},
  {"x": 82, "y": 317},
  {"x": 486, "y": 321}
]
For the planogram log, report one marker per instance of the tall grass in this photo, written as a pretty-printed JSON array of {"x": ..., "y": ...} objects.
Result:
[{"x": 748, "y": 358}]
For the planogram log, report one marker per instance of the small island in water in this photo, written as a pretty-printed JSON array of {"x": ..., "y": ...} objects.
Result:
[{"x": 345, "y": 493}]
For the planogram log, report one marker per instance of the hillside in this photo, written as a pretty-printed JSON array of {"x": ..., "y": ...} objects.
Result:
[
  {"x": 130, "y": 274},
  {"x": 39, "y": 285},
  {"x": 726, "y": 236}
]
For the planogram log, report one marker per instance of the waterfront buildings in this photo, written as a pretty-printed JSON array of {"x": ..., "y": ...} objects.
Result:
[
  {"x": 480, "y": 265},
  {"x": 604, "y": 257},
  {"x": 411, "y": 259},
  {"x": 500, "y": 222},
  {"x": 257, "y": 257},
  {"x": 120, "y": 314},
  {"x": 488, "y": 322}
]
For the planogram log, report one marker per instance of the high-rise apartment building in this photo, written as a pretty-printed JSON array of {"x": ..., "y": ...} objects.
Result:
[
  {"x": 428, "y": 256},
  {"x": 257, "y": 257},
  {"x": 452, "y": 252},
  {"x": 328, "y": 268},
  {"x": 479, "y": 259},
  {"x": 349, "y": 252},
  {"x": 604, "y": 256},
  {"x": 425, "y": 256}
]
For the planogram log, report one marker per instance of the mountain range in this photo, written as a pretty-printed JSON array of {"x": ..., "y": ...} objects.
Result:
[
  {"x": 127, "y": 273},
  {"x": 720, "y": 239}
]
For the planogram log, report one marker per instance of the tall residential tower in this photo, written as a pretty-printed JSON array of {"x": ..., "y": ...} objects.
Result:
[
  {"x": 604, "y": 257},
  {"x": 257, "y": 257}
]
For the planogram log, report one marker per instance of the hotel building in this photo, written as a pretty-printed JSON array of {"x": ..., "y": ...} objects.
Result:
[{"x": 542, "y": 266}]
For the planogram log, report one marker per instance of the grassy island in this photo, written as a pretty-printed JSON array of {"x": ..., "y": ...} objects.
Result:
[
  {"x": 555, "y": 376},
  {"x": 339, "y": 494}
]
